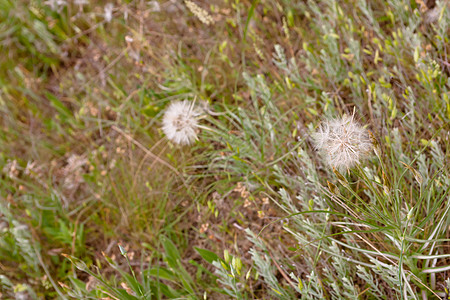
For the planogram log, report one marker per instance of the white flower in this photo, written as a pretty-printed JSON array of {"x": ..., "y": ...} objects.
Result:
[
  {"x": 108, "y": 12},
  {"x": 343, "y": 142},
  {"x": 180, "y": 122}
]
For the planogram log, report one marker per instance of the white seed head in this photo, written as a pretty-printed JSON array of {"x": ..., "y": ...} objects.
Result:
[
  {"x": 180, "y": 122},
  {"x": 343, "y": 142}
]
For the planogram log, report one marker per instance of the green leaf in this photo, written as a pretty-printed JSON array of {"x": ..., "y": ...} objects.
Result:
[
  {"x": 172, "y": 254},
  {"x": 249, "y": 17},
  {"x": 207, "y": 255},
  {"x": 59, "y": 106},
  {"x": 162, "y": 273}
]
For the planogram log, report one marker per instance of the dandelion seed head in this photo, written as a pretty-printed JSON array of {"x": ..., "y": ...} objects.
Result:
[
  {"x": 343, "y": 142},
  {"x": 180, "y": 122}
]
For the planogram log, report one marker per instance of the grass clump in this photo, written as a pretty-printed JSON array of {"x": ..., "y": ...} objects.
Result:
[{"x": 167, "y": 150}]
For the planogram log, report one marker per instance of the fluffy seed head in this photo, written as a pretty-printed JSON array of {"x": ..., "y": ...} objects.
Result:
[
  {"x": 343, "y": 142},
  {"x": 180, "y": 122}
]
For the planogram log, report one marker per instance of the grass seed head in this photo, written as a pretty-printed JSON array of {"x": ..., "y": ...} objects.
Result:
[
  {"x": 180, "y": 122},
  {"x": 199, "y": 12},
  {"x": 343, "y": 142}
]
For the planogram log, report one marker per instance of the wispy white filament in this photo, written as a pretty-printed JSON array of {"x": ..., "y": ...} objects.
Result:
[
  {"x": 180, "y": 122},
  {"x": 343, "y": 142}
]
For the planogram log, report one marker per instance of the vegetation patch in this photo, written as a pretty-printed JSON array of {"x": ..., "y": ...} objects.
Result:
[{"x": 224, "y": 149}]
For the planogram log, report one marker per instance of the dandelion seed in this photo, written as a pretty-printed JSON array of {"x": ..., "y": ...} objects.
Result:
[
  {"x": 108, "y": 12},
  {"x": 180, "y": 122},
  {"x": 343, "y": 142},
  {"x": 199, "y": 12}
]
